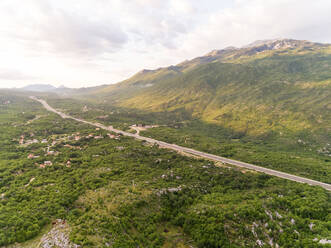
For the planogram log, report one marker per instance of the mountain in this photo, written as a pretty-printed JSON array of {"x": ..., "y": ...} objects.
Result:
[
  {"x": 39, "y": 88},
  {"x": 62, "y": 90},
  {"x": 266, "y": 86}
]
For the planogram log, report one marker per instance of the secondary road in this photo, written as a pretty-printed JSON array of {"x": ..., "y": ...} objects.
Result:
[{"x": 192, "y": 151}]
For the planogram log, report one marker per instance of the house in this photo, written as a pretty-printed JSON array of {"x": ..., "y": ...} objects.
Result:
[
  {"x": 21, "y": 142},
  {"x": 48, "y": 163},
  {"x": 98, "y": 137},
  {"x": 72, "y": 147},
  {"x": 44, "y": 141},
  {"x": 68, "y": 163},
  {"x": 30, "y": 142},
  {"x": 85, "y": 109},
  {"x": 69, "y": 146},
  {"x": 112, "y": 136},
  {"x": 30, "y": 156},
  {"x": 77, "y": 138}
]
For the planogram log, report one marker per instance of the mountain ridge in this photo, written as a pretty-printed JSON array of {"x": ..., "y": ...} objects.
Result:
[
  {"x": 271, "y": 86},
  {"x": 283, "y": 85},
  {"x": 256, "y": 46},
  {"x": 227, "y": 54}
]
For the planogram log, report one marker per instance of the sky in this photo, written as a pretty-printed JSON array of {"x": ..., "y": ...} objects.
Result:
[{"x": 81, "y": 43}]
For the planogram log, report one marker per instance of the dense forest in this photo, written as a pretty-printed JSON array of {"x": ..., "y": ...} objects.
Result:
[{"x": 114, "y": 191}]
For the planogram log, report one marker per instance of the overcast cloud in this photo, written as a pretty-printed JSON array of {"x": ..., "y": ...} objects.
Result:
[{"x": 89, "y": 42}]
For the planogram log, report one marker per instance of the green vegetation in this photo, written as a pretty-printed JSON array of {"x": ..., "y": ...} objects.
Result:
[
  {"x": 269, "y": 107},
  {"x": 275, "y": 94},
  {"x": 296, "y": 153},
  {"x": 124, "y": 193},
  {"x": 288, "y": 154}
]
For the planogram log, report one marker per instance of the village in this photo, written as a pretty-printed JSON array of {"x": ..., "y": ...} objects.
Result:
[{"x": 50, "y": 144}]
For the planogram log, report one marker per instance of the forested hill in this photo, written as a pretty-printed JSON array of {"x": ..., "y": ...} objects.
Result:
[{"x": 279, "y": 85}]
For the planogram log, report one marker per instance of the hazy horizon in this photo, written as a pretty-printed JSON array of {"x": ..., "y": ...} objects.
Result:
[{"x": 87, "y": 43}]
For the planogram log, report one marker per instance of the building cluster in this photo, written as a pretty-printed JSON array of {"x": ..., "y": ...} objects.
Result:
[
  {"x": 52, "y": 141},
  {"x": 24, "y": 142}
]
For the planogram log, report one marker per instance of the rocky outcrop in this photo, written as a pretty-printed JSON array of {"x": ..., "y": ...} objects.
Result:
[{"x": 58, "y": 236}]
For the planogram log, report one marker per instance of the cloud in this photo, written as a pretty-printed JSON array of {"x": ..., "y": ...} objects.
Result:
[
  {"x": 51, "y": 29},
  {"x": 87, "y": 42},
  {"x": 68, "y": 33},
  {"x": 183, "y": 7},
  {"x": 250, "y": 20},
  {"x": 13, "y": 75},
  {"x": 86, "y": 27}
]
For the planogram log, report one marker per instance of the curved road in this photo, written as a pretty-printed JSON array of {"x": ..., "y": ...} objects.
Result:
[{"x": 192, "y": 151}]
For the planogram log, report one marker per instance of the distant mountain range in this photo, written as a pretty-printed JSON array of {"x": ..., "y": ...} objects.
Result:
[
  {"x": 228, "y": 54},
  {"x": 61, "y": 90},
  {"x": 40, "y": 88}
]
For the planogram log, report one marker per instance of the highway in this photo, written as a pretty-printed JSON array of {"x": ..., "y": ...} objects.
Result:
[{"x": 192, "y": 151}]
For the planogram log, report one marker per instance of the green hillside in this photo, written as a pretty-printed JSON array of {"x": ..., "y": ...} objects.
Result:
[
  {"x": 247, "y": 90},
  {"x": 268, "y": 104}
]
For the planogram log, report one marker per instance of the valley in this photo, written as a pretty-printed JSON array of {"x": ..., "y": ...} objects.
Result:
[
  {"x": 266, "y": 104},
  {"x": 191, "y": 151},
  {"x": 121, "y": 192},
  {"x": 230, "y": 149},
  {"x": 165, "y": 124}
]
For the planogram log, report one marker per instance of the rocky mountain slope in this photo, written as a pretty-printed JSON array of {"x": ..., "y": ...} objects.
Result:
[{"x": 278, "y": 85}]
